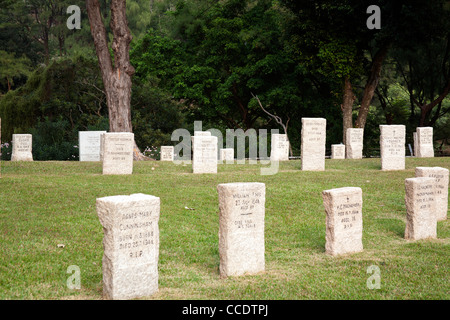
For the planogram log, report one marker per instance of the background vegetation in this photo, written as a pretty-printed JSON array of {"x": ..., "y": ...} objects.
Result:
[{"x": 204, "y": 60}]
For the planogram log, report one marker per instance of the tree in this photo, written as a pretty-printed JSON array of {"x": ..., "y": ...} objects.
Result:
[
  {"x": 116, "y": 75},
  {"x": 11, "y": 67},
  {"x": 42, "y": 21},
  {"x": 333, "y": 41}
]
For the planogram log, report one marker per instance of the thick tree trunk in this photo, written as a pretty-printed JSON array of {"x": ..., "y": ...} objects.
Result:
[
  {"x": 117, "y": 77},
  {"x": 371, "y": 85},
  {"x": 347, "y": 107}
]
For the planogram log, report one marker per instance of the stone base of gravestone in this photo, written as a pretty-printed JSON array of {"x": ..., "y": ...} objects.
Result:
[
  {"x": 131, "y": 245},
  {"x": 392, "y": 147},
  {"x": 354, "y": 143},
  {"x": 22, "y": 147},
  {"x": 425, "y": 148},
  {"x": 227, "y": 154},
  {"x": 117, "y": 152},
  {"x": 89, "y": 145},
  {"x": 441, "y": 181},
  {"x": 343, "y": 208},
  {"x": 421, "y": 221},
  {"x": 167, "y": 153},
  {"x": 204, "y": 154},
  {"x": 241, "y": 228},
  {"x": 337, "y": 151},
  {"x": 279, "y": 147},
  {"x": 313, "y": 138}
]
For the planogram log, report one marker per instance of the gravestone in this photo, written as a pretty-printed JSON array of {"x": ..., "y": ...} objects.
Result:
[
  {"x": 279, "y": 147},
  {"x": 421, "y": 220},
  {"x": 241, "y": 228},
  {"x": 338, "y": 151},
  {"x": 227, "y": 154},
  {"x": 131, "y": 245},
  {"x": 22, "y": 147},
  {"x": 89, "y": 145},
  {"x": 166, "y": 153},
  {"x": 441, "y": 180},
  {"x": 202, "y": 133},
  {"x": 343, "y": 208},
  {"x": 425, "y": 148},
  {"x": 313, "y": 144},
  {"x": 392, "y": 147},
  {"x": 204, "y": 154},
  {"x": 117, "y": 152},
  {"x": 416, "y": 146},
  {"x": 354, "y": 143}
]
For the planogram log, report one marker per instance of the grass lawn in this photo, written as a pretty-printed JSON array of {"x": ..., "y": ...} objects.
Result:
[{"x": 48, "y": 222}]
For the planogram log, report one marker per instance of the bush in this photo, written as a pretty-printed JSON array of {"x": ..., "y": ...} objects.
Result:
[{"x": 54, "y": 140}]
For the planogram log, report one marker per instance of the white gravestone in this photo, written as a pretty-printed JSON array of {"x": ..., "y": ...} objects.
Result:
[
  {"x": 343, "y": 208},
  {"x": 89, "y": 145},
  {"x": 241, "y": 228},
  {"x": 354, "y": 143},
  {"x": 166, "y": 153},
  {"x": 279, "y": 147},
  {"x": 204, "y": 154},
  {"x": 421, "y": 219},
  {"x": 338, "y": 151},
  {"x": 313, "y": 144},
  {"x": 227, "y": 154},
  {"x": 131, "y": 245},
  {"x": 392, "y": 147},
  {"x": 441, "y": 180},
  {"x": 22, "y": 147},
  {"x": 118, "y": 152},
  {"x": 425, "y": 148}
]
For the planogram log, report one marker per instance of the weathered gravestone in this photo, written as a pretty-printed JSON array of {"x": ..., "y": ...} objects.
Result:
[
  {"x": 354, "y": 140},
  {"x": 416, "y": 145},
  {"x": 22, "y": 147},
  {"x": 131, "y": 245},
  {"x": 343, "y": 208},
  {"x": 166, "y": 153},
  {"x": 392, "y": 147},
  {"x": 313, "y": 144},
  {"x": 89, "y": 145},
  {"x": 204, "y": 154},
  {"x": 241, "y": 228},
  {"x": 227, "y": 154},
  {"x": 425, "y": 148},
  {"x": 117, "y": 152},
  {"x": 338, "y": 151},
  {"x": 279, "y": 147},
  {"x": 421, "y": 220},
  {"x": 202, "y": 133},
  {"x": 441, "y": 180}
]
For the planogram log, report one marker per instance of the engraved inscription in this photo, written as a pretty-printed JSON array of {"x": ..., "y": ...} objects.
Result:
[{"x": 136, "y": 234}]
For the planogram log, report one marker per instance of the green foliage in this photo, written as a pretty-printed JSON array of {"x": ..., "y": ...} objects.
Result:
[
  {"x": 155, "y": 115},
  {"x": 54, "y": 140},
  {"x": 68, "y": 88},
  {"x": 12, "y": 68}
]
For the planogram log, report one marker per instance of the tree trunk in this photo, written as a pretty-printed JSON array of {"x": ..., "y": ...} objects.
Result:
[
  {"x": 371, "y": 85},
  {"x": 426, "y": 108},
  {"x": 117, "y": 77},
  {"x": 347, "y": 107}
]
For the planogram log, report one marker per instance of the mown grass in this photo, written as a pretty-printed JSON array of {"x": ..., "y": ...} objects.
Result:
[{"x": 45, "y": 204}]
